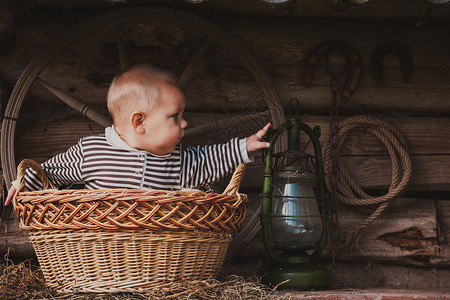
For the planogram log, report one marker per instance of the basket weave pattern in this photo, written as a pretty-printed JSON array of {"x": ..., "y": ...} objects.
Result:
[
  {"x": 127, "y": 240},
  {"x": 130, "y": 209},
  {"x": 126, "y": 261}
]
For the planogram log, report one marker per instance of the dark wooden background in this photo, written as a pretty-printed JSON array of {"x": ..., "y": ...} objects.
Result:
[{"x": 280, "y": 37}]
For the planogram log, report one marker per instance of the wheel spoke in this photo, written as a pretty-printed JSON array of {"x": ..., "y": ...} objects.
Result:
[
  {"x": 169, "y": 17},
  {"x": 189, "y": 71},
  {"x": 220, "y": 124},
  {"x": 76, "y": 104},
  {"x": 124, "y": 61}
]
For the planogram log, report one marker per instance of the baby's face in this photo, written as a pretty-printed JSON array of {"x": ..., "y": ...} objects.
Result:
[{"x": 164, "y": 123}]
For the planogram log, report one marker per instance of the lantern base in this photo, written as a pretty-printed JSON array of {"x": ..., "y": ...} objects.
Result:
[{"x": 297, "y": 277}]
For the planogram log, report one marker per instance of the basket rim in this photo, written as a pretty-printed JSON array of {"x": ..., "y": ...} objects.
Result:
[
  {"x": 188, "y": 209},
  {"x": 122, "y": 209},
  {"x": 124, "y": 194}
]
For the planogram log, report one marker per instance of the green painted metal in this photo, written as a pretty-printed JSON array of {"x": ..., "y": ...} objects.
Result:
[
  {"x": 295, "y": 267},
  {"x": 267, "y": 192},
  {"x": 322, "y": 203},
  {"x": 297, "y": 277}
]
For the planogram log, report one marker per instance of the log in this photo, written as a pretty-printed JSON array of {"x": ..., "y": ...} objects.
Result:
[
  {"x": 383, "y": 9},
  {"x": 423, "y": 135},
  {"x": 370, "y": 100},
  {"x": 411, "y": 12},
  {"x": 280, "y": 46},
  {"x": 13, "y": 240},
  {"x": 406, "y": 233},
  {"x": 364, "y": 155},
  {"x": 374, "y": 173},
  {"x": 423, "y": 77},
  {"x": 411, "y": 278},
  {"x": 7, "y": 24},
  {"x": 285, "y": 41},
  {"x": 279, "y": 50},
  {"x": 204, "y": 96},
  {"x": 443, "y": 221}
]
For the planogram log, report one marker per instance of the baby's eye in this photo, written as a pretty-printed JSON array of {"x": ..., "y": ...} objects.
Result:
[{"x": 174, "y": 117}]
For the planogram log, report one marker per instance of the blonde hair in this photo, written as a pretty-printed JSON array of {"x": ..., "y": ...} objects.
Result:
[{"x": 136, "y": 89}]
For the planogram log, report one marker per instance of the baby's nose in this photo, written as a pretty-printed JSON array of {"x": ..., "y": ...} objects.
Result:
[{"x": 183, "y": 123}]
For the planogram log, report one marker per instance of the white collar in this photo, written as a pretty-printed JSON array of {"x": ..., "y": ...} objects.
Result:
[{"x": 113, "y": 138}]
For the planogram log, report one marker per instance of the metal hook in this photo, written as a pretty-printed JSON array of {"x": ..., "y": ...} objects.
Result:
[
  {"x": 335, "y": 73},
  {"x": 293, "y": 110}
]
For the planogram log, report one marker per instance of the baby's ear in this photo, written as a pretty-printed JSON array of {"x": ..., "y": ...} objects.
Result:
[{"x": 137, "y": 121}]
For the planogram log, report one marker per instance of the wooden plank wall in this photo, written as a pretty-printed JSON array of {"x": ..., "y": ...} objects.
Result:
[{"x": 420, "y": 109}]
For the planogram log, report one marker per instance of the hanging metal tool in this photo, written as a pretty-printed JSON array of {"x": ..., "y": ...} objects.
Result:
[
  {"x": 376, "y": 61},
  {"x": 353, "y": 69},
  {"x": 353, "y": 61}
]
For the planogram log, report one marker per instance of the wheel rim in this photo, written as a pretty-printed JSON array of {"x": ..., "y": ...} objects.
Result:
[{"x": 37, "y": 64}]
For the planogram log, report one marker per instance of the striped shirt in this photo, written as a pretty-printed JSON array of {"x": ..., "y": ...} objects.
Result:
[{"x": 107, "y": 162}]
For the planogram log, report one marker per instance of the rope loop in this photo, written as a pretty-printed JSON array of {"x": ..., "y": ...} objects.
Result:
[{"x": 345, "y": 187}]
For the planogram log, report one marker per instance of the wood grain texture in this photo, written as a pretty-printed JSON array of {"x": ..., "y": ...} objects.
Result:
[
  {"x": 280, "y": 45},
  {"x": 364, "y": 156},
  {"x": 405, "y": 233}
]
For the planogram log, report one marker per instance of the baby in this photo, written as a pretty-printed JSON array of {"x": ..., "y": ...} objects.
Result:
[{"x": 142, "y": 149}]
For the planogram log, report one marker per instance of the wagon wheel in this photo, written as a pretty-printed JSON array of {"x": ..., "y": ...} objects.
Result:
[{"x": 120, "y": 30}]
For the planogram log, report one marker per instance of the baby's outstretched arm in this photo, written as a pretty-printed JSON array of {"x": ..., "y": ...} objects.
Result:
[
  {"x": 254, "y": 141},
  {"x": 11, "y": 193}
]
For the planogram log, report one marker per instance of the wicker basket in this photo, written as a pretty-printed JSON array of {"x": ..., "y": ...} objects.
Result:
[{"x": 127, "y": 240}]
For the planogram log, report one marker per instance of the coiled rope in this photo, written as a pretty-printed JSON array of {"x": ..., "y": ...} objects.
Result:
[{"x": 345, "y": 188}]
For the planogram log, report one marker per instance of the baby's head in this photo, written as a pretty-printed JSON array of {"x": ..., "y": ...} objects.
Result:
[
  {"x": 136, "y": 89},
  {"x": 147, "y": 107}
]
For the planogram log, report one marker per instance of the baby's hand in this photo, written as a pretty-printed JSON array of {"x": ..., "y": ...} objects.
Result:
[
  {"x": 11, "y": 193},
  {"x": 254, "y": 141}
]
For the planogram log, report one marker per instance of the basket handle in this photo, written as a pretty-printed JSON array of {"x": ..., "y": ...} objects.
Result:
[
  {"x": 29, "y": 163},
  {"x": 235, "y": 181},
  {"x": 231, "y": 189}
]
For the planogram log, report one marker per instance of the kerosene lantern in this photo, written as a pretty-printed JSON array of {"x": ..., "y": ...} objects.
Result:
[{"x": 293, "y": 210}]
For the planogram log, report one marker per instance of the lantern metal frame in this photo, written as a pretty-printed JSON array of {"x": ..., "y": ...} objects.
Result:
[{"x": 295, "y": 270}]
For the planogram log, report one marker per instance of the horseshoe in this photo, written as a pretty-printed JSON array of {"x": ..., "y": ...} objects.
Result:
[
  {"x": 353, "y": 62},
  {"x": 376, "y": 61}
]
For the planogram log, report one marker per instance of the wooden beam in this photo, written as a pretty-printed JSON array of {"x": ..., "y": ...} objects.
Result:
[
  {"x": 281, "y": 49},
  {"x": 382, "y": 9},
  {"x": 425, "y": 136},
  {"x": 406, "y": 233},
  {"x": 13, "y": 240},
  {"x": 364, "y": 155},
  {"x": 7, "y": 22}
]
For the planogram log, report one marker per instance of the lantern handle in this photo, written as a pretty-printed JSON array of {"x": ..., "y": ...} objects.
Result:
[
  {"x": 267, "y": 190},
  {"x": 314, "y": 135}
]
